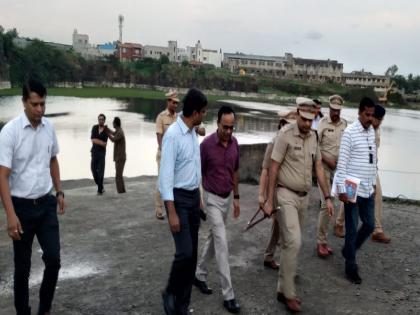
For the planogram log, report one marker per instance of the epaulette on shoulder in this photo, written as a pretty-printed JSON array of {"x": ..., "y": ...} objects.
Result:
[{"x": 287, "y": 128}]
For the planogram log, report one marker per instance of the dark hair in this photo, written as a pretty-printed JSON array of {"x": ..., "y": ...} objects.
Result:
[
  {"x": 117, "y": 121},
  {"x": 318, "y": 102},
  {"x": 102, "y": 116},
  {"x": 194, "y": 101},
  {"x": 283, "y": 122},
  {"x": 223, "y": 111},
  {"x": 379, "y": 111},
  {"x": 33, "y": 86},
  {"x": 365, "y": 102}
]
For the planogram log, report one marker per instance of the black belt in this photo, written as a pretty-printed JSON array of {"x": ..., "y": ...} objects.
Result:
[
  {"x": 224, "y": 195},
  {"x": 186, "y": 191},
  {"x": 36, "y": 201},
  {"x": 299, "y": 193}
]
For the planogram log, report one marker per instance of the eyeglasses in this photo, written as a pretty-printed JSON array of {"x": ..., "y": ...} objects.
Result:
[{"x": 226, "y": 128}]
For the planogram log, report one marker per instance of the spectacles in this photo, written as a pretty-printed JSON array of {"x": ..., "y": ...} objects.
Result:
[{"x": 226, "y": 128}]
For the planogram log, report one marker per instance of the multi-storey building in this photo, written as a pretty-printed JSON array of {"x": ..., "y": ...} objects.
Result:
[
  {"x": 129, "y": 51},
  {"x": 366, "y": 79},
  {"x": 286, "y": 67}
]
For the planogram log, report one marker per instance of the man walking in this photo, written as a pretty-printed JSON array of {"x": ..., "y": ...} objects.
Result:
[
  {"x": 120, "y": 156},
  {"x": 163, "y": 121},
  {"x": 357, "y": 158},
  {"x": 378, "y": 234},
  {"x": 330, "y": 129},
  {"x": 295, "y": 150},
  {"x": 179, "y": 180},
  {"x": 219, "y": 168},
  {"x": 99, "y": 139},
  {"x": 28, "y": 170}
]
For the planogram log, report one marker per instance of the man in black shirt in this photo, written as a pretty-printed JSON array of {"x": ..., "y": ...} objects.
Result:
[{"x": 99, "y": 139}]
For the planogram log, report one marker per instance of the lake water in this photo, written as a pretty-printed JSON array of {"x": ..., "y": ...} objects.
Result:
[{"x": 256, "y": 122}]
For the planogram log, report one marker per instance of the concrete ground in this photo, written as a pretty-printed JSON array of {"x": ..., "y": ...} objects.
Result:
[{"x": 116, "y": 258}]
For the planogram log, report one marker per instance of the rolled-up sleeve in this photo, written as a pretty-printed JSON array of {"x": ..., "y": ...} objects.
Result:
[
  {"x": 6, "y": 148},
  {"x": 343, "y": 159},
  {"x": 167, "y": 168}
]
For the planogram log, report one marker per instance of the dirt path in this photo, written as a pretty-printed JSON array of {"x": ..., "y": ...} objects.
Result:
[{"x": 116, "y": 258}]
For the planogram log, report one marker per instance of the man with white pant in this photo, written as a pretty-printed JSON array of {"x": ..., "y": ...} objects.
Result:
[{"x": 219, "y": 168}]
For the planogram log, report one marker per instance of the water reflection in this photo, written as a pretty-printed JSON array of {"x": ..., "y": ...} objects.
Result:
[{"x": 256, "y": 122}]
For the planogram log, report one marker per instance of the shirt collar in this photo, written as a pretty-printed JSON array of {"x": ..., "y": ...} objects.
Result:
[
  {"x": 184, "y": 128},
  {"x": 168, "y": 113},
  {"x": 329, "y": 120},
  {"x": 25, "y": 121},
  {"x": 297, "y": 133},
  {"x": 360, "y": 126},
  {"x": 216, "y": 138}
]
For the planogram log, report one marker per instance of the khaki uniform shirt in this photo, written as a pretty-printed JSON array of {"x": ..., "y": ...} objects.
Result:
[
  {"x": 329, "y": 137},
  {"x": 296, "y": 153},
  {"x": 164, "y": 120},
  {"x": 119, "y": 145}
]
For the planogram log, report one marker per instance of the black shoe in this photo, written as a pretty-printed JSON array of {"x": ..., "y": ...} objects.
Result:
[
  {"x": 202, "y": 286},
  {"x": 169, "y": 303},
  {"x": 353, "y": 276},
  {"x": 232, "y": 306}
]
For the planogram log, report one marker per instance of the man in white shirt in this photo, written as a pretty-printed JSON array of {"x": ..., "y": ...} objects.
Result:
[
  {"x": 357, "y": 158},
  {"x": 28, "y": 170}
]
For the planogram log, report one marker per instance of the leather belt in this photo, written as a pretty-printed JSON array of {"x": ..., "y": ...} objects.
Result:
[
  {"x": 299, "y": 193},
  {"x": 36, "y": 201},
  {"x": 223, "y": 195}
]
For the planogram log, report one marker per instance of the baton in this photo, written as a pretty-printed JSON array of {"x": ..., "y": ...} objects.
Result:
[{"x": 251, "y": 223}]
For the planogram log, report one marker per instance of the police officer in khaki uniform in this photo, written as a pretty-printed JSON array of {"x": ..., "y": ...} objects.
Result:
[
  {"x": 269, "y": 262},
  {"x": 330, "y": 129},
  {"x": 163, "y": 121},
  {"x": 294, "y": 152}
]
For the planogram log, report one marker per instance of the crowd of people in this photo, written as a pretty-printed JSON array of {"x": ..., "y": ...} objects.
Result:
[{"x": 200, "y": 182}]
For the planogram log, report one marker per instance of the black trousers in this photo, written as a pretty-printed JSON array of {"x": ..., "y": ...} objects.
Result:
[
  {"x": 38, "y": 220},
  {"x": 187, "y": 205},
  {"x": 97, "y": 166}
]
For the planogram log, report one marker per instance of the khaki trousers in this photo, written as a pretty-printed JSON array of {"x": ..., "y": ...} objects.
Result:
[
  {"x": 290, "y": 216},
  {"x": 215, "y": 245},
  {"x": 275, "y": 236},
  {"x": 158, "y": 199},
  {"x": 378, "y": 209},
  {"x": 119, "y": 180},
  {"x": 323, "y": 218}
]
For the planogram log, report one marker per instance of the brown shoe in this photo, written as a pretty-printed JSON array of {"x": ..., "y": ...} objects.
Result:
[
  {"x": 271, "y": 264},
  {"x": 339, "y": 230},
  {"x": 380, "y": 237},
  {"x": 322, "y": 251},
  {"x": 293, "y": 305}
]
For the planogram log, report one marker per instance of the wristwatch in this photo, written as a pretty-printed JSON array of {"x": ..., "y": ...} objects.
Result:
[
  {"x": 236, "y": 196},
  {"x": 327, "y": 197},
  {"x": 59, "y": 193}
]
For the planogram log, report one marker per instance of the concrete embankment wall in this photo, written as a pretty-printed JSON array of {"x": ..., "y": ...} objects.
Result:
[
  {"x": 5, "y": 85},
  {"x": 251, "y": 157},
  {"x": 213, "y": 92}
]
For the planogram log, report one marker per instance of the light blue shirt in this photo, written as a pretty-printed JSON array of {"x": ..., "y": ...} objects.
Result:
[
  {"x": 180, "y": 164},
  {"x": 27, "y": 151}
]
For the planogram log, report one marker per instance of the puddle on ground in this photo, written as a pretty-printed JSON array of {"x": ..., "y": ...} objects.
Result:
[{"x": 74, "y": 271}]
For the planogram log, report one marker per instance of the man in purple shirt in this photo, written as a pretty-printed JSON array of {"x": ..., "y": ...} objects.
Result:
[{"x": 219, "y": 168}]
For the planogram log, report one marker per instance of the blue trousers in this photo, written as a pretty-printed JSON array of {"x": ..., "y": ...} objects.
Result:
[
  {"x": 365, "y": 208},
  {"x": 181, "y": 278},
  {"x": 38, "y": 220}
]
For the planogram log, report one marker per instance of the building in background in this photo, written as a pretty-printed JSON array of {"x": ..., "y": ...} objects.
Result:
[
  {"x": 366, "y": 79},
  {"x": 285, "y": 67},
  {"x": 107, "y": 49},
  {"x": 82, "y": 46},
  {"x": 129, "y": 51},
  {"x": 199, "y": 55},
  {"x": 155, "y": 52}
]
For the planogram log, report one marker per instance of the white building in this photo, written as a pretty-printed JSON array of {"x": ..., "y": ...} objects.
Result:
[
  {"x": 82, "y": 46},
  {"x": 155, "y": 52},
  {"x": 204, "y": 56}
]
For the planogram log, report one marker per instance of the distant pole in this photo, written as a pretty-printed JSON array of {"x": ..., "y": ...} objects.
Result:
[{"x": 120, "y": 25}]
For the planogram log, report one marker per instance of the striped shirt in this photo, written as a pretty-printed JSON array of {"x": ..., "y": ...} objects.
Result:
[
  {"x": 357, "y": 158},
  {"x": 180, "y": 165}
]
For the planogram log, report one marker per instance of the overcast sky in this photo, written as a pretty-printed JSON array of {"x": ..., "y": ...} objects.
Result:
[{"x": 369, "y": 34}]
